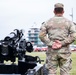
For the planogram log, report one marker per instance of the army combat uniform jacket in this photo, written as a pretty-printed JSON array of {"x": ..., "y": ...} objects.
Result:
[{"x": 58, "y": 28}]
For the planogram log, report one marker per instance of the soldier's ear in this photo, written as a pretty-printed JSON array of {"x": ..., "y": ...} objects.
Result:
[{"x": 63, "y": 12}]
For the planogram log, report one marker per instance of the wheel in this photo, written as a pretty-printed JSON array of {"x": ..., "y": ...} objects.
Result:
[{"x": 45, "y": 71}]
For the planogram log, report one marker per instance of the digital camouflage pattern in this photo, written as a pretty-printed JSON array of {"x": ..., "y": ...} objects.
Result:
[
  {"x": 58, "y": 28},
  {"x": 61, "y": 58},
  {"x": 59, "y": 5}
]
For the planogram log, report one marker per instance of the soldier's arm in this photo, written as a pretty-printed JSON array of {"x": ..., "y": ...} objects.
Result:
[
  {"x": 72, "y": 36},
  {"x": 43, "y": 35}
]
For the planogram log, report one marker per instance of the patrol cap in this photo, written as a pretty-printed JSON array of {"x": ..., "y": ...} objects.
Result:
[{"x": 58, "y": 5}]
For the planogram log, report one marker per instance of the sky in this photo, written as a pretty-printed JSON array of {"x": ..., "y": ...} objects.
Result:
[{"x": 24, "y": 14}]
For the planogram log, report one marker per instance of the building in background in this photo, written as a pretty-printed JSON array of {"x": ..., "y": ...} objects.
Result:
[{"x": 33, "y": 36}]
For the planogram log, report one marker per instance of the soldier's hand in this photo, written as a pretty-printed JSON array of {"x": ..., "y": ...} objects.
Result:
[{"x": 56, "y": 45}]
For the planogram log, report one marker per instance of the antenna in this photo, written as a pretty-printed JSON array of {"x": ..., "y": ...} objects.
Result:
[{"x": 72, "y": 14}]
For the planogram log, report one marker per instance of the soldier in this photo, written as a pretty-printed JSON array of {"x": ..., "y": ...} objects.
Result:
[{"x": 58, "y": 33}]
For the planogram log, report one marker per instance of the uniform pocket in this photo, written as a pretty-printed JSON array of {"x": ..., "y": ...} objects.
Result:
[{"x": 70, "y": 64}]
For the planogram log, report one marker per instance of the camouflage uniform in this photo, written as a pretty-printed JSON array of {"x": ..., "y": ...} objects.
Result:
[{"x": 58, "y": 28}]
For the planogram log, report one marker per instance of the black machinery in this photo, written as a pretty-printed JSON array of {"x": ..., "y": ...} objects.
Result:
[{"x": 15, "y": 46}]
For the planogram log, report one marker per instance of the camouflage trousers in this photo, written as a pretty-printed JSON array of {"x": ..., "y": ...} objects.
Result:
[{"x": 58, "y": 58}]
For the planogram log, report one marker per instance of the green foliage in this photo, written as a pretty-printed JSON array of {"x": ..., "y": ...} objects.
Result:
[{"x": 75, "y": 42}]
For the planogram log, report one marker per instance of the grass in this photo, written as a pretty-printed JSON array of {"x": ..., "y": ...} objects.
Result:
[{"x": 43, "y": 57}]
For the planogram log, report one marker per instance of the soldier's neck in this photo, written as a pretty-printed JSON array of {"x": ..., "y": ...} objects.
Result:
[{"x": 59, "y": 15}]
